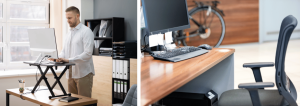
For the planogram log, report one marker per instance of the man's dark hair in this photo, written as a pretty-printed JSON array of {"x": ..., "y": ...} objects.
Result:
[{"x": 73, "y": 9}]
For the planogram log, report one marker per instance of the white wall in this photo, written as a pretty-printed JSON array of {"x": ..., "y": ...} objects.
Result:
[
  {"x": 271, "y": 14},
  {"x": 12, "y": 82},
  {"x": 85, "y": 7}
]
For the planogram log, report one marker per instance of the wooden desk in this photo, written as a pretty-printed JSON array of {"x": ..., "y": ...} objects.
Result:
[
  {"x": 160, "y": 78},
  {"x": 42, "y": 98}
]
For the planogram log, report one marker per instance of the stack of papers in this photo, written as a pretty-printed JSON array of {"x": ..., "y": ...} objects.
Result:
[{"x": 158, "y": 39}]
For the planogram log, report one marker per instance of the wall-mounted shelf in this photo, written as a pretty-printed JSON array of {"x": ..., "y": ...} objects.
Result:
[{"x": 117, "y": 31}]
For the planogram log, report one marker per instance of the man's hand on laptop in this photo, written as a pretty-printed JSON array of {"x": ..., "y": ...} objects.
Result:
[
  {"x": 64, "y": 60},
  {"x": 56, "y": 60}
]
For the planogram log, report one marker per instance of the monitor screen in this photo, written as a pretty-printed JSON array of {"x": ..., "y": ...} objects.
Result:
[
  {"x": 43, "y": 41},
  {"x": 165, "y": 15}
]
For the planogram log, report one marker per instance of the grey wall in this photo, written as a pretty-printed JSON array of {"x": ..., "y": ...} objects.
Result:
[{"x": 119, "y": 8}]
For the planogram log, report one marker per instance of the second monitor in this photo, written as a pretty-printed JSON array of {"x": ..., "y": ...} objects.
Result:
[{"x": 165, "y": 15}]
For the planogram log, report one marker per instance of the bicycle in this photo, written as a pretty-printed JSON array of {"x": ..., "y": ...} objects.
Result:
[{"x": 203, "y": 31}]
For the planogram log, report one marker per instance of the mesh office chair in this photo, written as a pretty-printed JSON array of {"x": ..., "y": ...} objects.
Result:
[
  {"x": 131, "y": 97},
  {"x": 253, "y": 94}
]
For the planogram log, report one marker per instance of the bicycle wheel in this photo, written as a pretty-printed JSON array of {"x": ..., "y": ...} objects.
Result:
[{"x": 205, "y": 28}]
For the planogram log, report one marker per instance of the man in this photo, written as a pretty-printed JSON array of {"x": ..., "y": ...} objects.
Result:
[{"x": 78, "y": 49}]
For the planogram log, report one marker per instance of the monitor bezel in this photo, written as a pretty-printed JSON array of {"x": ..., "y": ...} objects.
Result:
[{"x": 168, "y": 29}]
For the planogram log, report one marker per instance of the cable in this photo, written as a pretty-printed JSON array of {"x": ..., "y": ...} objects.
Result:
[{"x": 36, "y": 73}]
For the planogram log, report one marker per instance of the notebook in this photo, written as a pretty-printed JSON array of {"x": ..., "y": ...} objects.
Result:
[{"x": 68, "y": 99}]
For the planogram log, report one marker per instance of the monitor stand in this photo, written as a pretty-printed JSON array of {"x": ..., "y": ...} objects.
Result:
[{"x": 39, "y": 58}]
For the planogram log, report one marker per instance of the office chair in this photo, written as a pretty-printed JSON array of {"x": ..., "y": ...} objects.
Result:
[
  {"x": 131, "y": 97},
  {"x": 253, "y": 94}
]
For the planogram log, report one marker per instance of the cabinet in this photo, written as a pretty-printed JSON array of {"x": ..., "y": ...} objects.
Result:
[{"x": 117, "y": 33}]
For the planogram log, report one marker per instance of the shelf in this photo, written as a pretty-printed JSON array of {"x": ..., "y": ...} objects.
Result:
[
  {"x": 108, "y": 55},
  {"x": 121, "y": 58},
  {"x": 102, "y": 38},
  {"x": 121, "y": 79}
]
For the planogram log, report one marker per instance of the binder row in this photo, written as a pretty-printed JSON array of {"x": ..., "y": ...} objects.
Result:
[
  {"x": 120, "y": 89},
  {"x": 120, "y": 69}
]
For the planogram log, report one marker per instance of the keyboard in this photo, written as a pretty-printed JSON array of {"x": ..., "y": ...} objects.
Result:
[
  {"x": 179, "y": 54},
  {"x": 52, "y": 62}
]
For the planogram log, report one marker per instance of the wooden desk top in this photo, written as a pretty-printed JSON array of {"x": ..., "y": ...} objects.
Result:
[
  {"x": 41, "y": 98},
  {"x": 160, "y": 78}
]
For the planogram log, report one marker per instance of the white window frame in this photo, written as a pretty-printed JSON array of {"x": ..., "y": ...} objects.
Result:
[
  {"x": 27, "y": 3},
  {"x": 6, "y": 23},
  {"x": 3, "y": 19},
  {"x": 3, "y": 45}
]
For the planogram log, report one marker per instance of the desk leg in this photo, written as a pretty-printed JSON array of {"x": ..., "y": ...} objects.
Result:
[
  {"x": 58, "y": 79},
  {"x": 7, "y": 99},
  {"x": 63, "y": 72}
]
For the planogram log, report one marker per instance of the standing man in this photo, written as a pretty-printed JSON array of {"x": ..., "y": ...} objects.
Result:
[{"x": 78, "y": 49}]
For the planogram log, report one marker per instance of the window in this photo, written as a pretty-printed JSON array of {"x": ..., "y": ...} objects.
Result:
[
  {"x": 19, "y": 11},
  {"x": 16, "y": 17}
]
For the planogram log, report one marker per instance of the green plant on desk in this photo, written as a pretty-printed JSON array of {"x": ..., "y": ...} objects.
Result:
[{"x": 21, "y": 89}]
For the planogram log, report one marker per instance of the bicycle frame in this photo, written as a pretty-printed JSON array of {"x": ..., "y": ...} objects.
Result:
[{"x": 200, "y": 5}]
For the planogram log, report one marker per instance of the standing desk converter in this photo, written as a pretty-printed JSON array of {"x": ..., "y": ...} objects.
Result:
[
  {"x": 211, "y": 71},
  {"x": 43, "y": 77}
]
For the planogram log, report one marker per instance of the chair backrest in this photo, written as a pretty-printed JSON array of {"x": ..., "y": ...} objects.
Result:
[
  {"x": 283, "y": 83},
  {"x": 131, "y": 97}
]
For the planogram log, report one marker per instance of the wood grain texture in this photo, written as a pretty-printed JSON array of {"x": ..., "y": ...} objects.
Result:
[
  {"x": 41, "y": 98},
  {"x": 133, "y": 71},
  {"x": 241, "y": 21},
  {"x": 102, "y": 83},
  {"x": 160, "y": 78}
]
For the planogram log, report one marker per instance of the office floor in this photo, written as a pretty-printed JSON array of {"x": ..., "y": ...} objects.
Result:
[{"x": 265, "y": 52}]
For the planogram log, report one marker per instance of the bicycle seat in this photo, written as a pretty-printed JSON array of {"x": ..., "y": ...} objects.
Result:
[{"x": 205, "y": 46}]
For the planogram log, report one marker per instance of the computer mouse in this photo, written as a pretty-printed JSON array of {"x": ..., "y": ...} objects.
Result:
[{"x": 205, "y": 46}]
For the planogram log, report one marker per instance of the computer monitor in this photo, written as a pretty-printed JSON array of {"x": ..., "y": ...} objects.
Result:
[
  {"x": 165, "y": 15},
  {"x": 42, "y": 43}
]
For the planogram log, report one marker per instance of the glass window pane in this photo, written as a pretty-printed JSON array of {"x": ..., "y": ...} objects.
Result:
[
  {"x": 27, "y": 12},
  {"x": 20, "y": 34},
  {"x": 1, "y": 55},
  {"x": 20, "y": 54}
]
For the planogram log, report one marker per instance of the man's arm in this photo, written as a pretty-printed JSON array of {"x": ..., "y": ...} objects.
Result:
[{"x": 88, "y": 45}]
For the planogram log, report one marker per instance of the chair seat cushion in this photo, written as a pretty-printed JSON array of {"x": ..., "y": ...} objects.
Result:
[{"x": 241, "y": 97}]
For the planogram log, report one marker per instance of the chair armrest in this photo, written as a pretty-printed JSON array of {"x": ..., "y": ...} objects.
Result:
[
  {"x": 258, "y": 64},
  {"x": 253, "y": 90},
  {"x": 256, "y": 85}
]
